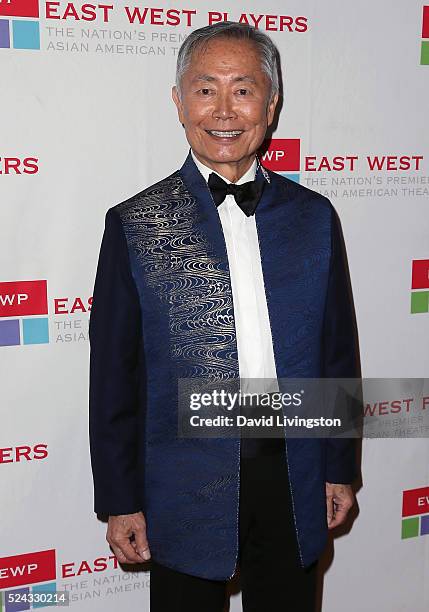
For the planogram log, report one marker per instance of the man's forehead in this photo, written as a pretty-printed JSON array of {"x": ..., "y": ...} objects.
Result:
[
  {"x": 225, "y": 51},
  {"x": 228, "y": 66},
  {"x": 220, "y": 60}
]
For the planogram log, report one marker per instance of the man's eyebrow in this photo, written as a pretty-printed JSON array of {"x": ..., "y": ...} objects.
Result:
[
  {"x": 245, "y": 77},
  {"x": 238, "y": 79},
  {"x": 204, "y": 77}
]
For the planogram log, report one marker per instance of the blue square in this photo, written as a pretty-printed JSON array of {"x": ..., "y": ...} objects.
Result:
[
  {"x": 9, "y": 333},
  {"x": 4, "y": 34},
  {"x": 41, "y": 589},
  {"x": 293, "y": 177},
  {"x": 35, "y": 331},
  {"x": 10, "y": 605},
  {"x": 26, "y": 34},
  {"x": 424, "y": 525}
]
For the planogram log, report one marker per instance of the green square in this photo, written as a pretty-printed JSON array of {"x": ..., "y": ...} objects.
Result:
[
  {"x": 410, "y": 528},
  {"x": 419, "y": 301},
  {"x": 424, "y": 58}
]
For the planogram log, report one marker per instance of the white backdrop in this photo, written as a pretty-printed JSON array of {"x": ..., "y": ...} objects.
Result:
[{"x": 86, "y": 121}]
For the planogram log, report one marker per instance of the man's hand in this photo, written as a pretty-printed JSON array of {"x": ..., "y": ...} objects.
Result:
[
  {"x": 339, "y": 499},
  {"x": 119, "y": 531}
]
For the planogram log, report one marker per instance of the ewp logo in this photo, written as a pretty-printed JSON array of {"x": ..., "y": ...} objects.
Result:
[
  {"x": 27, "y": 569},
  {"x": 283, "y": 156},
  {"x": 424, "y": 57},
  {"x": 415, "y": 512},
  {"x": 19, "y": 302},
  {"x": 420, "y": 280},
  {"x": 21, "y": 32}
]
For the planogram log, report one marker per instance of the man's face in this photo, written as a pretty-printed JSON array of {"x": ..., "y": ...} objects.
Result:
[{"x": 225, "y": 103}]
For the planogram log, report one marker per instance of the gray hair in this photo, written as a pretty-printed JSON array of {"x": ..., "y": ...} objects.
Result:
[{"x": 229, "y": 29}]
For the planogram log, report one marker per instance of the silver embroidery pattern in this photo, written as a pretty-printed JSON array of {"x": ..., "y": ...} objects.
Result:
[{"x": 180, "y": 267}]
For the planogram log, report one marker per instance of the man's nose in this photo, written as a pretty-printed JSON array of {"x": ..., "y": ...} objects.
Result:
[{"x": 224, "y": 107}]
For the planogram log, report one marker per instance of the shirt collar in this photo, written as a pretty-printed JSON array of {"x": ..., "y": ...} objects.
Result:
[{"x": 206, "y": 171}]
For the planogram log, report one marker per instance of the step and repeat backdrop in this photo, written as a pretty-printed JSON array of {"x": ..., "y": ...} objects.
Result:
[{"x": 87, "y": 121}]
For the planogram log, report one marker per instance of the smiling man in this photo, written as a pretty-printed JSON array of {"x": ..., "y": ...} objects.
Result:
[
  {"x": 226, "y": 271},
  {"x": 226, "y": 101}
]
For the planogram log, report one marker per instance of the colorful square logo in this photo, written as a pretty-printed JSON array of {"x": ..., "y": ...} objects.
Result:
[
  {"x": 420, "y": 286},
  {"x": 23, "y": 32},
  {"x": 28, "y": 579},
  {"x": 283, "y": 156},
  {"x": 415, "y": 513},
  {"x": 22, "y": 304}
]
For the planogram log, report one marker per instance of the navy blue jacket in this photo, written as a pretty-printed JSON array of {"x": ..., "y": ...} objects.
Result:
[{"x": 162, "y": 310}]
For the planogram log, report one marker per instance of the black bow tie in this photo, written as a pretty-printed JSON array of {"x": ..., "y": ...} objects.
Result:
[{"x": 246, "y": 195}]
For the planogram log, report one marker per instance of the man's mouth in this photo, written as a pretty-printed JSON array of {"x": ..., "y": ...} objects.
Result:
[{"x": 225, "y": 133}]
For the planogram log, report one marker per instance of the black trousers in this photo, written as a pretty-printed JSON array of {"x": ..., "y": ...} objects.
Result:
[{"x": 271, "y": 577}]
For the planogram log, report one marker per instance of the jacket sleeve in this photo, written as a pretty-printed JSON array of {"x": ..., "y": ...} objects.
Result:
[
  {"x": 340, "y": 351},
  {"x": 115, "y": 353}
]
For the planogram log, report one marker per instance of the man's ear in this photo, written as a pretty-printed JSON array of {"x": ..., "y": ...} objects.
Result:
[
  {"x": 177, "y": 101},
  {"x": 272, "y": 108}
]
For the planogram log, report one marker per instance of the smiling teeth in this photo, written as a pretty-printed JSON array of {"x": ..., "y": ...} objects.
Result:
[{"x": 226, "y": 134}]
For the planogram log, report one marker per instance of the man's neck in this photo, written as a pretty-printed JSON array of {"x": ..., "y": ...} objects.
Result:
[
  {"x": 205, "y": 169},
  {"x": 231, "y": 172}
]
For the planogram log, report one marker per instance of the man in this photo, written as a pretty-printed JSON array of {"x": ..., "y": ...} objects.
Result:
[{"x": 200, "y": 277}]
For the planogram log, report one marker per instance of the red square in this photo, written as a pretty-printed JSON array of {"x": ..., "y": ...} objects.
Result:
[
  {"x": 415, "y": 501},
  {"x": 19, "y": 8},
  {"x": 28, "y": 568},
  {"x": 281, "y": 154},
  {"x": 22, "y": 298},
  {"x": 425, "y": 27},
  {"x": 420, "y": 274}
]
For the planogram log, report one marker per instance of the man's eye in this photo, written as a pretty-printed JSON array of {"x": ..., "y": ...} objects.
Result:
[
  {"x": 243, "y": 92},
  {"x": 205, "y": 91}
]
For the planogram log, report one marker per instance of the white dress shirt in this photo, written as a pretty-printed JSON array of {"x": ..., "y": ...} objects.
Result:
[{"x": 253, "y": 332}]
